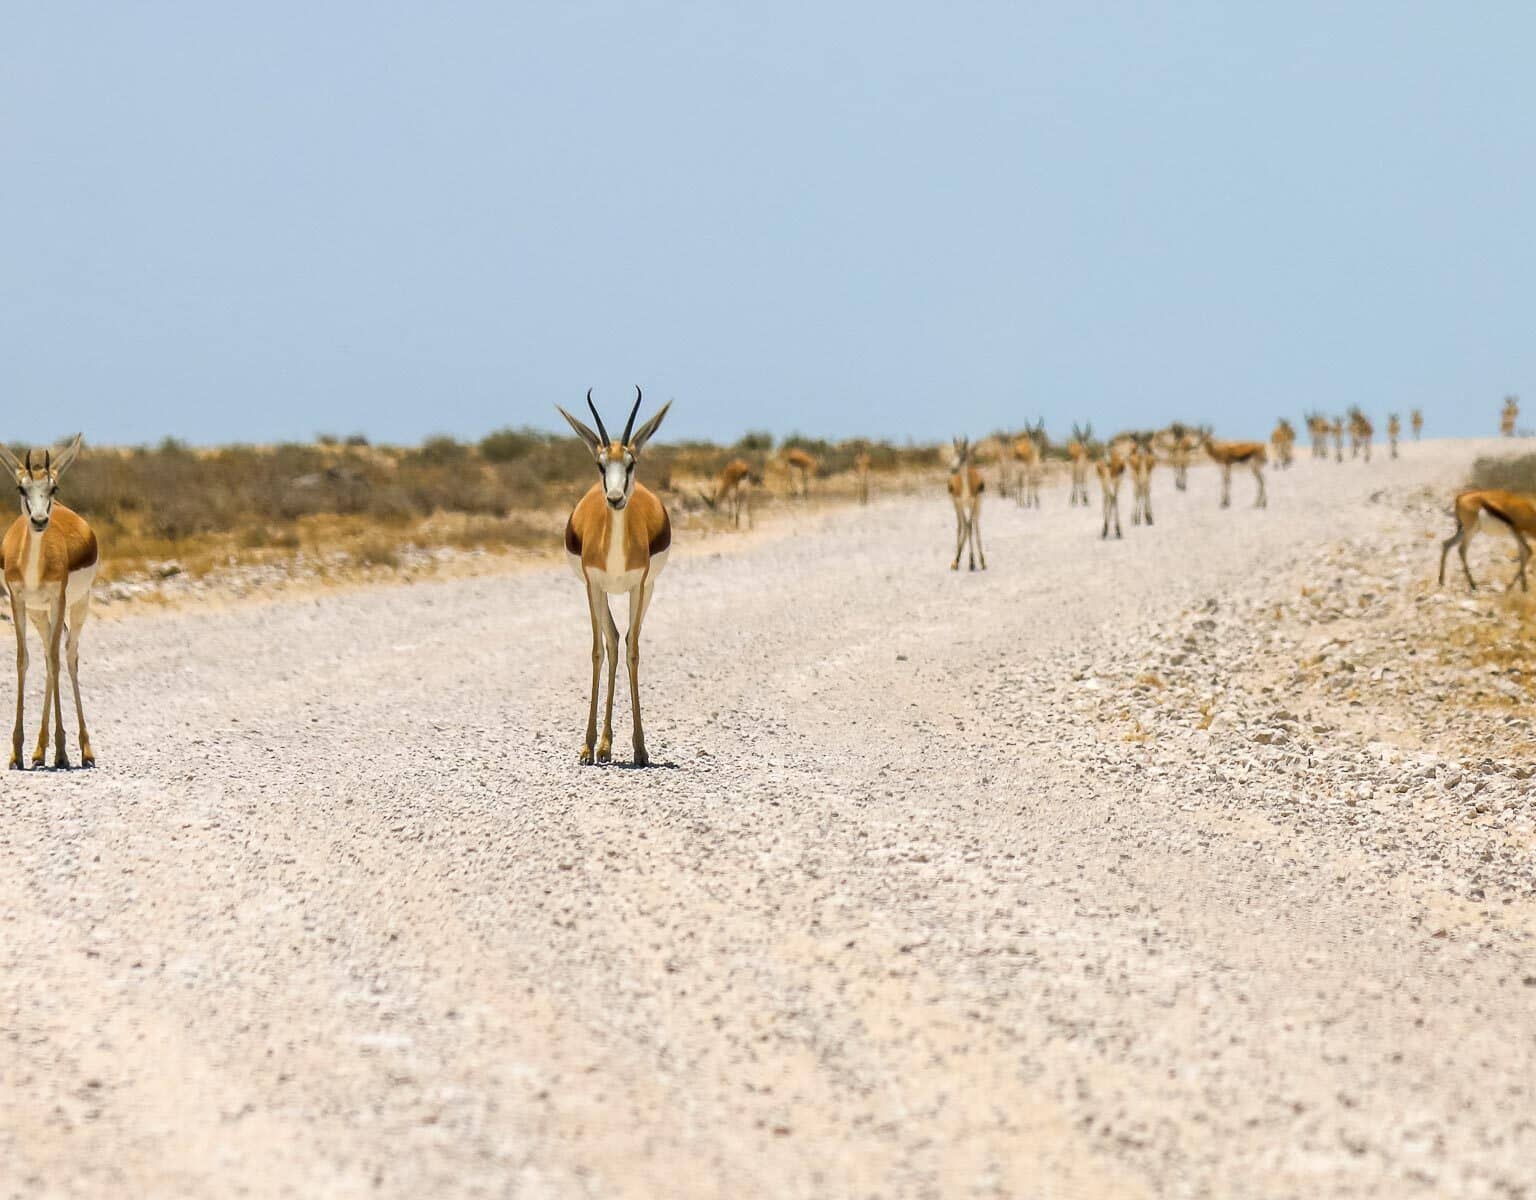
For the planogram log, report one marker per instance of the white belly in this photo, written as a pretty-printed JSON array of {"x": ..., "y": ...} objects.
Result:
[{"x": 618, "y": 583}]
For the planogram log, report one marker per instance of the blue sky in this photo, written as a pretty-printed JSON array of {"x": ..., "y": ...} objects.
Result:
[{"x": 252, "y": 222}]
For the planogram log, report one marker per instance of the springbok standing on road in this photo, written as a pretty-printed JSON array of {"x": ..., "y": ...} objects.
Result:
[
  {"x": 1081, "y": 457},
  {"x": 1030, "y": 451},
  {"x": 731, "y": 491},
  {"x": 1416, "y": 420},
  {"x": 1394, "y": 431},
  {"x": 1319, "y": 429},
  {"x": 861, "y": 468},
  {"x": 617, "y": 542},
  {"x": 50, "y": 560},
  {"x": 1509, "y": 416},
  {"x": 1515, "y": 510},
  {"x": 1182, "y": 444},
  {"x": 1141, "y": 460},
  {"x": 1284, "y": 441},
  {"x": 965, "y": 488},
  {"x": 1361, "y": 431},
  {"x": 1226, "y": 455},
  {"x": 1111, "y": 470},
  {"x": 801, "y": 464}
]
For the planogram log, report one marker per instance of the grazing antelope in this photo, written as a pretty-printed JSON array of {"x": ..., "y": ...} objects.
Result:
[
  {"x": 1080, "y": 455},
  {"x": 861, "y": 467},
  {"x": 731, "y": 490},
  {"x": 1111, "y": 469},
  {"x": 1360, "y": 433},
  {"x": 1515, "y": 510},
  {"x": 1229, "y": 454},
  {"x": 1416, "y": 420},
  {"x": 801, "y": 463},
  {"x": 1394, "y": 431},
  {"x": 1030, "y": 451},
  {"x": 965, "y": 488},
  {"x": 50, "y": 560},
  {"x": 1319, "y": 429},
  {"x": 1141, "y": 461},
  {"x": 1509, "y": 416},
  {"x": 617, "y": 542}
]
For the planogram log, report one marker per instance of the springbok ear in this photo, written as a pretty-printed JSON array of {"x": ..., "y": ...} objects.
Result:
[
  {"x": 594, "y": 443},
  {"x": 12, "y": 463},
  {"x": 643, "y": 434},
  {"x": 66, "y": 457}
]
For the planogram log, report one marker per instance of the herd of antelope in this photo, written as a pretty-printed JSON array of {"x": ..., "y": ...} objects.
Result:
[{"x": 619, "y": 534}]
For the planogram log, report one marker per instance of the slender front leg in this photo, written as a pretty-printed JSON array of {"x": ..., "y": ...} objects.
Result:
[
  {"x": 960, "y": 532},
  {"x": 1226, "y": 485},
  {"x": 639, "y": 601},
  {"x": 611, "y": 644},
  {"x": 19, "y": 621},
  {"x": 1263, "y": 499},
  {"x": 976, "y": 534},
  {"x": 597, "y": 668},
  {"x": 60, "y": 747},
  {"x": 76, "y": 621},
  {"x": 1525, "y": 557}
]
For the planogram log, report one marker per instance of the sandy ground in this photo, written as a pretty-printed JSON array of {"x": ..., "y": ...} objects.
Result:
[{"x": 1074, "y": 878}]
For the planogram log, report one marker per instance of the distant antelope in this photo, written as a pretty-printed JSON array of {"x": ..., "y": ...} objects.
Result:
[
  {"x": 50, "y": 560},
  {"x": 1080, "y": 456},
  {"x": 731, "y": 491},
  {"x": 861, "y": 467},
  {"x": 1515, "y": 510},
  {"x": 965, "y": 488},
  {"x": 1229, "y": 454},
  {"x": 1360, "y": 433},
  {"x": 1111, "y": 469},
  {"x": 1416, "y": 420},
  {"x": 617, "y": 542},
  {"x": 1030, "y": 451},
  {"x": 1283, "y": 439},
  {"x": 1337, "y": 429},
  {"x": 1141, "y": 461},
  {"x": 803, "y": 464},
  {"x": 1394, "y": 431},
  {"x": 1182, "y": 443},
  {"x": 1509, "y": 416},
  {"x": 1319, "y": 429}
]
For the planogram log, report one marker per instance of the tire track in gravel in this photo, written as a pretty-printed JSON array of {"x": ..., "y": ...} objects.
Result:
[{"x": 895, "y": 918}]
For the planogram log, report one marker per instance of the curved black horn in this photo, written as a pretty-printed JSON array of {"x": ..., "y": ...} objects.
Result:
[
  {"x": 629, "y": 425},
  {"x": 603, "y": 433}
]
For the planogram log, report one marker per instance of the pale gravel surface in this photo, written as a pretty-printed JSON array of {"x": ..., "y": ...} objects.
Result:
[{"x": 943, "y": 890}]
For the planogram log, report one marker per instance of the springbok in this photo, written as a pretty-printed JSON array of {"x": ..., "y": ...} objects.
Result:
[
  {"x": 736, "y": 479},
  {"x": 617, "y": 541},
  {"x": 1080, "y": 455},
  {"x": 1111, "y": 469},
  {"x": 965, "y": 488},
  {"x": 1416, "y": 420},
  {"x": 1141, "y": 460},
  {"x": 1394, "y": 431},
  {"x": 1509, "y": 416},
  {"x": 1182, "y": 444},
  {"x": 1029, "y": 449},
  {"x": 1283, "y": 439},
  {"x": 1226, "y": 455},
  {"x": 50, "y": 560},
  {"x": 1360, "y": 433},
  {"x": 1337, "y": 429},
  {"x": 1515, "y": 510},
  {"x": 861, "y": 468},
  {"x": 1319, "y": 429},
  {"x": 801, "y": 463}
]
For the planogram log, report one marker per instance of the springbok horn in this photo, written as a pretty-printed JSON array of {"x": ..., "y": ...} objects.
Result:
[
  {"x": 601, "y": 431},
  {"x": 629, "y": 425}
]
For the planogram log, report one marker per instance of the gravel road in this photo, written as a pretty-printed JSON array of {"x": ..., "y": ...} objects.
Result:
[{"x": 922, "y": 897}]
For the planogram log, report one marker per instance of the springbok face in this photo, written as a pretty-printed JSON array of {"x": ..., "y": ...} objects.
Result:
[
  {"x": 962, "y": 452},
  {"x": 37, "y": 479},
  {"x": 616, "y": 459}
]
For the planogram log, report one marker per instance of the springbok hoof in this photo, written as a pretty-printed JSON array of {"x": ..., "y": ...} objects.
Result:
[
  {"x": 605, "y": 752},
  {"x": 61, "y": 762},
  {"x": 16, "y": 764},
  {"x": 87, "y": 760},
  {"x": 586, "y": 756},
  {"x": 642, "y": 759}
]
